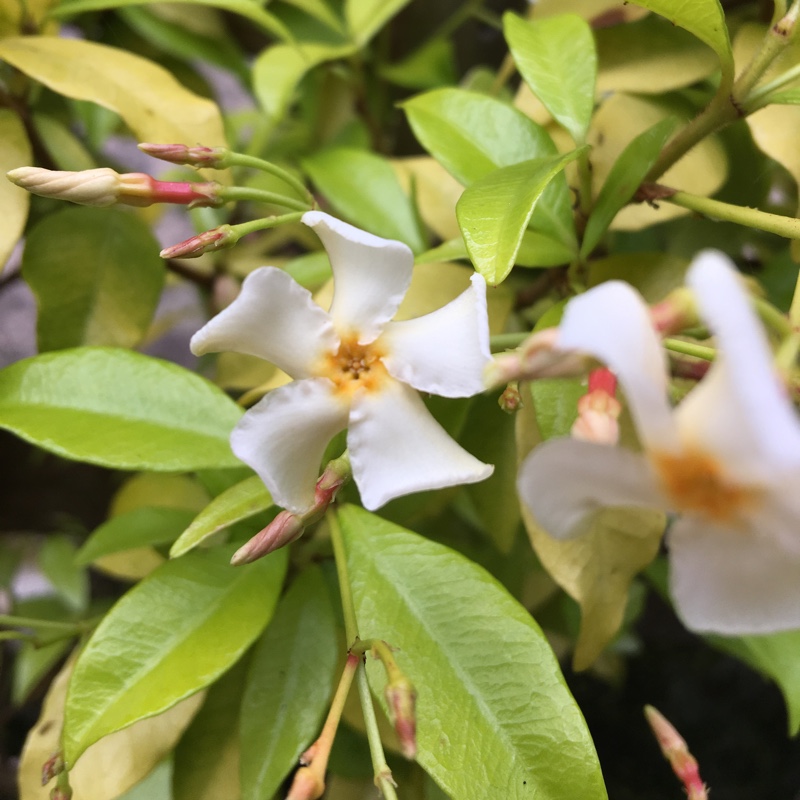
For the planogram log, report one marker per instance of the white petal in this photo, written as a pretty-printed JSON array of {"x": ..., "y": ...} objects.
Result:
[
  {"x": 564, "y": 480},
  {"x": 732, "y": 581},
  {"x": 612, "y": 323},
  {"x": 740, "y": 410},
  {"x": 397, "y": 447},
  {"x": 283, "y": 438},
  {"x": 273, "y": 318},
  {"x": 371, "y": 275},
  {"x": 444, "y": 352}
]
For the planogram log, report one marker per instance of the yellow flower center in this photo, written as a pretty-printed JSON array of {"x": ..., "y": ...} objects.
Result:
[
  {"x": 355, "y": 366},
  {"x": 696, "y": 483}
]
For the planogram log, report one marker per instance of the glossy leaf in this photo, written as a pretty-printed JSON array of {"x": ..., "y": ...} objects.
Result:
[
  {"x": 363, "y": 188},
  {"x": 241, "y": 501},
  {"x": 429, "y": 66},
  {"x": 148, "y": 98},
  {"x": 494, "y": 212},
  {"x": 57, "y": 562},
  {"x": 495, "y": 720},
  {"x": 206, "y": 765},
  {"x": 168, "y": 637},
  {"x": 366, "y": 17},
  {"x": 142, "y": 527},
  {"x": 705, "y": 19},
  {"x": 321, "y": 10},
  {"x": 624, "y": 179},
  {"x": 279, "y": 68},
  {"x": 289, "y": 685},
  {"x": 14, "y": 202},
  {"x": 133, "y": 753},
  {"x": 118, "y": 409},
  {"x": 97, "y": 277},
  {"x": 556, "y": 57},
  {"x": 247, "y": 8}
]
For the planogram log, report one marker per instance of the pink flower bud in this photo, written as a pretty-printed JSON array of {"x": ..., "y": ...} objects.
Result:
[
  {"x": 283, "y": 530},
  {"x": 307, "y": 785},
  {"x": 401, "y": 698},
  {"x": 510, "y": 400},
  {"x": 199, "y": 156},
  {"x": 598, "y": 410},
  {"x": 676, "y": 312},
  {"x": 52, "y": 767},
  {"x": 206, "y": 242}
]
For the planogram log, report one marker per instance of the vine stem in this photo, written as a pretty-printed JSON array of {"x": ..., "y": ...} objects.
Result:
[
  {"x": 383, "y": 775},
  {"x": 690, "y": 349},
  {"x": 244, "y": 160},
  {"x": 227, "y": 193}
]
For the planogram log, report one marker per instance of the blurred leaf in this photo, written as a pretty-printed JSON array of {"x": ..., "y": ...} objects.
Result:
[
  {"x": 66, "y": 150},
  {"x": 363, "y": 188},
  {"x": 57, "y": 562},
  {"x": 539, "y": 250},
  {"x": 653, "y": 275},
  {"x": 703, "y": 18},
  {"x": 153, "y": 104},
  {"x": 118, "y": 409},
  {"x": 525, "y": 735},
  {"x": 97, "y": 277},
  {"x": 241, "y": 501},
  {"x": 625, "y": 177},
  {"x": 279, "y": 68},
  {"x": 289, "y": 686},
  {"x": 489, "y": 436},
  {"x": 556, "y": 57},
  {"x": 650, "y": 56},
  {"x": 494, "y": 212},
  {"x": 366, "y": 17},
  {"x": 428, "y": 67},
  {"x": 156, "y": 786},
  {"x": 207, "y": 756},
  {"x": 168, "y": 637},
  {"x": 320, "y": 10},
  {"x": 775, "y": 130},
  {"x": 623, "y": 117},
  {"x": 138, "y": 528},
  {"x": 249, "y": 9},
  {"x": 110, "y": 767},
  {"x": 15, "y": 152}
]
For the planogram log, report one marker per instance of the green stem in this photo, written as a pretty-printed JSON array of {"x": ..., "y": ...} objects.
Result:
[
  {"x": 504, "y": 74},
  {"x": 788, "y": 227},
  {"x": 243, "y": 160},
  {"x": 794, "y": 309},
  {"x": 773, "y": 319},
  {"x": 584, "y": 185},
  {"x": 243, "y": 228},
  {"x": 227, "y": 193},
  {"x": 690, "y": 349},
  {"x": 383, "y": 775},
  {"x": 775, "y": 41},
  {"x": 760, "y": 96},
  {"x": 507, "y": 341},
  {"x": 348, "y": 607}
]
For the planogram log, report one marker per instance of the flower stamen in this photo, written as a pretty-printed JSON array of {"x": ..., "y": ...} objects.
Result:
[{"x": 355, "y": 366}]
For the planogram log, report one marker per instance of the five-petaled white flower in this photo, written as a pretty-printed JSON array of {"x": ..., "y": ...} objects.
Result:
[
  {"x": 726, "y": 460},
  {"x": 353, "y": 369}
]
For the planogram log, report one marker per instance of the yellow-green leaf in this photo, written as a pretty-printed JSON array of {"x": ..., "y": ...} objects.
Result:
[{"x": 14, "y": 202}]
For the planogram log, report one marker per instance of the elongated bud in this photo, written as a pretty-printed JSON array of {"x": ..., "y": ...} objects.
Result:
[
  {"x": 104, "y": 187},
  {"x": 52, "y": 767},
  {"x": 537, "y": 357},
  {"x": 307, "y": 785},
  {"x": 198, "y": 156},
  {"x": 401, "y": 697},
  {"x": 283, "y": 530},
  {"x": 674, "y": 748},
  {"x": 676, "y": 312},
  {"x": 598, "y": 410},
  {"x": 206, "y": 242}
]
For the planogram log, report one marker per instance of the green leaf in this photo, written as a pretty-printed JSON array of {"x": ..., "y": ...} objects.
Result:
[
  {"x": 429, "y": 66},
  {"x": 167, "y": 638},
  {"x": 288, "y": 687},
  {"x": 97, "y": 277},
  {"x": 364, "y": 188},
  {"x": 703, "y": 18},
  {"x": 148, "y": 98},
  {"x": 776, "y": 656},
  {"x": 57, "y": 562},
  {"x": 63, "y": 146},
  {"x": 366, "y": 17},
  {"x": 138, "y": 528},
  {"x": 321, "y": 10},
  {"x": 118, "y": 409},
  {"x": 624, "y": 179},
  {"x": 480, "y": 657},
  {"x": 539, "y": 250},
  {"x": 557, "y": 59},
  {"x": 241, "y": 501},
  {"x": 789, "y": 97},
  {"x": 249, "y": 9},
  {"x": 278, "y": 70},
  {"x": 14, "y": 202},
  {"x": 494, "y": 212}
]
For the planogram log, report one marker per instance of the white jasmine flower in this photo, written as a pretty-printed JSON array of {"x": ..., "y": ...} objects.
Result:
[
  {"x": 353, "y": 369},
  {"x": 726, "y": 460}
]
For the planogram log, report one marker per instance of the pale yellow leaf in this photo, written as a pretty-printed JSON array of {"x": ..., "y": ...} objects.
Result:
[
  {"x": 606, "y": 11},
  {"x": 111, "y": 766},
  {"x": 14, "y": 202},
  {"x": 622, "y": 117},
  {"x": 148, "y": 98},
  {"x": 748, "y": 40}
]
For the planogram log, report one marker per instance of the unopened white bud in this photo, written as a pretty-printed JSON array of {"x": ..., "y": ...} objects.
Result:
[{"x": 90, "y": 187}]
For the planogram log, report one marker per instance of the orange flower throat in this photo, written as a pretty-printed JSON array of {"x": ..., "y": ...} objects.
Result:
[{"x": 355, "y": 366}]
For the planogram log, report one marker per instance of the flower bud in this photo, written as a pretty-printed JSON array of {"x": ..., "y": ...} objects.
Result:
[
  {"x": 511, "y": 399},
  {"x": 199, "y": 156},
  {"x": 283, "y": 530},
  {"x": 205, "y": 242},
  {"x": 598, "y": 410},
  {"x": 676, "y": 312},
  {"x": 307, "y": 785},
  {"x": 52, "y": 767},
  {"x": 401, "y": 697}
]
